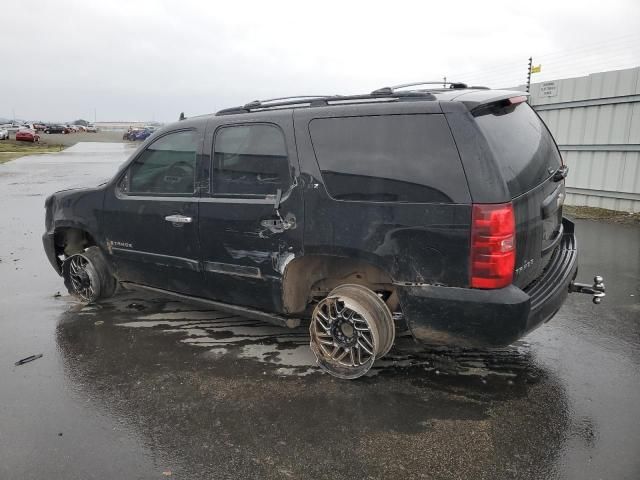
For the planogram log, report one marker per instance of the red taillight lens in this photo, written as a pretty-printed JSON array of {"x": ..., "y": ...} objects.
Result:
[{"x": 493, "y": 245}]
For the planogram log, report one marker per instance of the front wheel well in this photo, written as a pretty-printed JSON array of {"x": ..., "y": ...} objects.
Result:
[
  {"x": 312, "y": 277},
  {"x": 71, "y": 240}
]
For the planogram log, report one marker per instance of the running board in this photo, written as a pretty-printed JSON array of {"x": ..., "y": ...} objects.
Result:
[{"x": 225, "y": 307}]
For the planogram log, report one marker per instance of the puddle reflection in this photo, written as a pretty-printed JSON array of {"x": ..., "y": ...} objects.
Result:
[{"x": 207, "y": 386}]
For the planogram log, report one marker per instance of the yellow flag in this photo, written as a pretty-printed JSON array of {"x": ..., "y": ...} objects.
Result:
[{"x": 536, "y": 69}]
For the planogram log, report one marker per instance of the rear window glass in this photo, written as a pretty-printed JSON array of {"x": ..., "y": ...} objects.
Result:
[
  {"x": 390, "y": 158},
  {"x": 522, "y": 146}
]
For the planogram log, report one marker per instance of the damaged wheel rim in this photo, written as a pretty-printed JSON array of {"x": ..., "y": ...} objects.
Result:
[
  {"x": 344, "y": 338},
  {"x": 80, "y": 277}
]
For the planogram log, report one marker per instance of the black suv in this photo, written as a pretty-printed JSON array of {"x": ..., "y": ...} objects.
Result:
[{"x": 437, "y": 211}]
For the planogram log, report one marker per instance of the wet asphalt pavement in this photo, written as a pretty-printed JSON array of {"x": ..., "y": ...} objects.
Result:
[{"x": 146, "y": 387}]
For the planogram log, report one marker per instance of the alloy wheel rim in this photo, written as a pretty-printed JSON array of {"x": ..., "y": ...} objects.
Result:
[
  {"x": 343, "y": 340},
  {"x": 81, "y": 277}
]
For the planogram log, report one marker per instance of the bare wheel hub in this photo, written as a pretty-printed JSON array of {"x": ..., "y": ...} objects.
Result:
[
  {"x": 344, "y": 333},
  {"x": 83, "y": 279}
]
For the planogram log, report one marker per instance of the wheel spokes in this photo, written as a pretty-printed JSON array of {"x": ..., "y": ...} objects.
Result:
[{"x": 350, "y": 347}]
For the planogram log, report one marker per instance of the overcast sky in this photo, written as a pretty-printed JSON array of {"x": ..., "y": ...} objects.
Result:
[{"x": 144, "y": 60}]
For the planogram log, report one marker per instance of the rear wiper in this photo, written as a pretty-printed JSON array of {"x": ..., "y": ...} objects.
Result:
[{"x": 560, "y": 173}]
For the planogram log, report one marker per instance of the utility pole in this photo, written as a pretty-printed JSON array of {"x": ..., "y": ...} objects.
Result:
[
  {"x": 529, "y": 73},
  {"x": 444, "y": 82}
]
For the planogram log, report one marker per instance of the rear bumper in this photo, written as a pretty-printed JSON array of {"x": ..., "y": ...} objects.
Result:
[{"x": 486, "y": 318}]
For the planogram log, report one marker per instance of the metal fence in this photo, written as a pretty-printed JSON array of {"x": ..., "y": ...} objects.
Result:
[{"x": 596, "y": 122}]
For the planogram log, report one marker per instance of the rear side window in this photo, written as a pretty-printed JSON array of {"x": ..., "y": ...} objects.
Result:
[
  {"x": 521, "y": 144},
  {"x": 389, "y": 158},
  {"x": 250, "y": 160}
]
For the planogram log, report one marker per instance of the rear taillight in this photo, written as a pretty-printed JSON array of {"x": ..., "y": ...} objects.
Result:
[{"x": 493, "y": 245}]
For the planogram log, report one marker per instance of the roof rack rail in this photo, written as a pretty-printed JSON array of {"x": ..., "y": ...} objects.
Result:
[
  {"x": 259, "y": 103},
  {"x": 317, "y": 101},
  {"x": 415, "y": 84},
  {"x": 452, "y": 85}
]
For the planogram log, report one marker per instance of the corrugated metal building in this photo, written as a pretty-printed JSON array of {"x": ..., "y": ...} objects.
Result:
[{"x": 596, "y": 122}]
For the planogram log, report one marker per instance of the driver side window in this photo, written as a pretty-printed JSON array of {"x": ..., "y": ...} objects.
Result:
[{"x": 167, "y": 166}]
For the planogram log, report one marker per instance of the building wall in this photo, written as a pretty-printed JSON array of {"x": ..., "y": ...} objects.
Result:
[{"x": 596, "y": 123}]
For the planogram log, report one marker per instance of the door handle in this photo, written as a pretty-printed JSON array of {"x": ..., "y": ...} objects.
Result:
[{"x": 178, "y": 219}]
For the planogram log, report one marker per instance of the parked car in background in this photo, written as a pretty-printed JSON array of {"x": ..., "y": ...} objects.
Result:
[
  {"x": 27, "y": 126},
  {"x": 131, "y": 134},
  {"x": 40, "y": 127},
  {"x": 80, "y": 128},
  {"x": 4, "y": 133},
  {"x": 56, "y": 129},
  {"x": 11, "y": 127},
  {"x": 142, "y": 135},
  {"x": 27, "y": 135},
  {"x": 92, "y": 128},
  {"x": 72, "y": 128}
]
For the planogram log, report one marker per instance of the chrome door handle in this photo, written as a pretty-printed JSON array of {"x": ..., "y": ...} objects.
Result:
[{"x": 178, "y": 219}]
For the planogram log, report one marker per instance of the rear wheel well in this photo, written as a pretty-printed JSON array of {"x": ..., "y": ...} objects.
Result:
[
  {"x": 312, "y": 277},
  {"x": 70, "y": 240}
]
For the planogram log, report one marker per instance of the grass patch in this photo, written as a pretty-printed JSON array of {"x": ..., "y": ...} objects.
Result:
[
  {"x": 10, "y": 149},
  {"x": 602, "y": 214}
]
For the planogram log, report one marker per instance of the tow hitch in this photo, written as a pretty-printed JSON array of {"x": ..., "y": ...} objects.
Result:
[{"x": 597, "y": 289}]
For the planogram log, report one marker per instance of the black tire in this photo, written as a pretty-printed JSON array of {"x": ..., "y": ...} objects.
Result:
[
  {"x": 350, "y": 329},
  {"x": 87, "y": 276}
]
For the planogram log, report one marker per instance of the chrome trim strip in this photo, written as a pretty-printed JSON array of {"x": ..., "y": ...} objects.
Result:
[
  {"x": 157, "y": 258},
  {"x": 232, "y": 269}
]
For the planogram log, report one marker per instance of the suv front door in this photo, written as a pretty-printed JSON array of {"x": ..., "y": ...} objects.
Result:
[
  {"x": 151, "y": 215},
  {"x": 245, "y": 242}
]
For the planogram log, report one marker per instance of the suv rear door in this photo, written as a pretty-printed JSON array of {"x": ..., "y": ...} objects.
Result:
[
  {"x": 245, "y": 241},
  {"x": 527, "y": 157}
]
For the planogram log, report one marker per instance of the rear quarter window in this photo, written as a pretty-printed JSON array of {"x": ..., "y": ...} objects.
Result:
[
  {"x": 389, "y": 158},
  {"x": 521, "y": 145}
]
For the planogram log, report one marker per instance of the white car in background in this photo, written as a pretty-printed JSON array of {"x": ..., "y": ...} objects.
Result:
[
  {"x": 4, "y": 133},
  {"x": 92, "y": 129}
]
